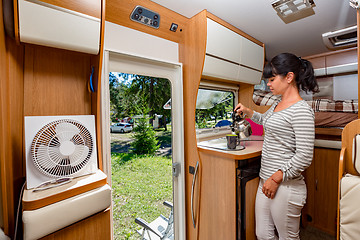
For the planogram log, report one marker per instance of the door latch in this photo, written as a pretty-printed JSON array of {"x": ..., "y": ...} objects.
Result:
[{"x": 176, "y": 168}]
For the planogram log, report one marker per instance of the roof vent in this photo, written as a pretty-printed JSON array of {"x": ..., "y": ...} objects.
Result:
[
  {"x": 343, "y": 38},
  {"x": 293, "y": 10}
]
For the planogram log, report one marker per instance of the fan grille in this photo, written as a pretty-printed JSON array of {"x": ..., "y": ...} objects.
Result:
[{"x": 62, "y": 148}]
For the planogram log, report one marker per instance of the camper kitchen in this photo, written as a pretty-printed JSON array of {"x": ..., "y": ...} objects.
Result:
[{"x": 55, "y": 144}]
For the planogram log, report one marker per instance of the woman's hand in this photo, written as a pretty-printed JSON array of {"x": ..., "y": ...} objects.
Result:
[
  {"x": 272, "y": 184},
  {"x": 242, "y": 109}
]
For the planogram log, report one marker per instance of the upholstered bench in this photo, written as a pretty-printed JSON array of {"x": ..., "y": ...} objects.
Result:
[{"x": 48, "y": 211}]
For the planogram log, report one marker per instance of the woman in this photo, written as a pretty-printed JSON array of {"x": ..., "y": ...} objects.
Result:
[{"x": 287, "y": 148}]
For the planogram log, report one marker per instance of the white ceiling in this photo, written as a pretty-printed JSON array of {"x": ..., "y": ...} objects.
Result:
[{"x": 258, "y": 19}]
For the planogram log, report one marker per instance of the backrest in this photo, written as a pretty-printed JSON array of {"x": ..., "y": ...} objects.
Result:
[{"x": 350, "y": 140}]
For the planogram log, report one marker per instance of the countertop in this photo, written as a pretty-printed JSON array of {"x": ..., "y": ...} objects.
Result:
[{"x": 253, "y": 147}]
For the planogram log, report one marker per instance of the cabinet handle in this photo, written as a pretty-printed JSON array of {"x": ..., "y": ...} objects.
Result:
[
  {"x": 316, "y": 184},
  {"x": 192, "y": 194}
]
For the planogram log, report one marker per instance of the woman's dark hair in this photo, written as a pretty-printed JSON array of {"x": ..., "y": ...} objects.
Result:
[{"x": 284, "y": 63}]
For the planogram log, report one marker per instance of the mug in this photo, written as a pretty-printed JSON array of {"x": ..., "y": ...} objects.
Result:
[{"x": 231, "y": 141}]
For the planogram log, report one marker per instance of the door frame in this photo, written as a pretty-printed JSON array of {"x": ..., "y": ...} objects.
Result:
[{"x": 135, "y": 64}]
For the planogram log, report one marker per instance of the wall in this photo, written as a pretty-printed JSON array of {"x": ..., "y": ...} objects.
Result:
[
  {"x": 11, "y": 125},
  {"x": 35, "y": 80}
]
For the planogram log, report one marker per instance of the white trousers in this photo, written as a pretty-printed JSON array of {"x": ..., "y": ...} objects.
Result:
[{"x": 283, "y": 212}]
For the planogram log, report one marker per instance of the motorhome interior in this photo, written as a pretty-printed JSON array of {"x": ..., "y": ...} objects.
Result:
[{"x": 55, "y": 61}]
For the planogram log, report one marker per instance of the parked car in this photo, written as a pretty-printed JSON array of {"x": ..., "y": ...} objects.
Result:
[
  {"x": 223, "y": 123},
  {"x": 121, "y": 127}
]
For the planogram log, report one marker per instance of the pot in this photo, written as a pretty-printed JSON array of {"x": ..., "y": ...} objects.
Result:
[{"x": 240, "y": 126}]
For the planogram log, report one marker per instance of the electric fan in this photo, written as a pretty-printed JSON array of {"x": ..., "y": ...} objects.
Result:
[{"x": 59, "y": 147}]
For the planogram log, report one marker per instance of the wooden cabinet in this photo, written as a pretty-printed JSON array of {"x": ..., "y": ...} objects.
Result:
[
  {"x": 231, "y": 56},
  {"x": 217, "y": 208},
  {"x": 218, "y": 205},
  {"x": 61, "y": 24},
  {"x": 342, "y": 61},
  {"x": 322, "y": 186}
]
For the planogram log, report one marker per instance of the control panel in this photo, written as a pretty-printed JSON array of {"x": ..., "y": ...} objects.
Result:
[{"x": 145, "y": 16}]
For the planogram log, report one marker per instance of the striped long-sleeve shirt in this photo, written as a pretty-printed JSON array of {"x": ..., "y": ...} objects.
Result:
[{"x": 288, "y": 141}]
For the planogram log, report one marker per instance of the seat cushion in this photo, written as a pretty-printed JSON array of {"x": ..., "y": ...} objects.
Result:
[
  {"x": 46, "y": 220},
  {"x": 349, "y": 207}
]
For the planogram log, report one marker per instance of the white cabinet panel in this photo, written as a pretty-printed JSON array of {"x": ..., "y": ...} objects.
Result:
[
  {"x": 214, "y": 67},
  {"x": 222, "y": 42},
  {"x": 247, "y": 75},
  {"x": 48, "y": 25},
  {"x": 252, "y": 55}
]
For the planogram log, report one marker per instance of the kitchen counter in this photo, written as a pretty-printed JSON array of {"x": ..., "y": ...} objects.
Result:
[{"x": 217, "y": 147}]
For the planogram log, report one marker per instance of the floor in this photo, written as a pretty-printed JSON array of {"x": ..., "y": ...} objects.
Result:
[{"x": 311, "y": 233}]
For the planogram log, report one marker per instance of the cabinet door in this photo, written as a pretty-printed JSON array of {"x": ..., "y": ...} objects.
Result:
[
  {"x": 326, "y": 188},
  {"x": 217, "y": 216},
  {"x": 322, "y": 185},
  {"x": 49, "y": 25},
  {"x": 222, "y": 42},
  {"x": 252, "y": 55},
  {"x": 214, "y": 67}
]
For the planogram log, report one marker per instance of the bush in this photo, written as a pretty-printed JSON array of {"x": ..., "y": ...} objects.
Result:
[{"x": 145, "y": 141}]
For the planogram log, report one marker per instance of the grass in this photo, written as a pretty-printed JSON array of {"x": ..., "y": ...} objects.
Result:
[{"x": 140, "y": 185}]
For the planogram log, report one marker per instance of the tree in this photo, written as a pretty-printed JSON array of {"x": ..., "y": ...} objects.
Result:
[
  {"x": 145, "y": 141},
  {"x": 135, "y": 93},
  {"x": 148, "y": 92}
]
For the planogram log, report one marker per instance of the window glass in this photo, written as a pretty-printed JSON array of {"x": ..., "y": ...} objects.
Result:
[{"x": 214, "y": 108}]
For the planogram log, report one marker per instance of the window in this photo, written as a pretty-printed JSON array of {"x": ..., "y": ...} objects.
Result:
[{"x": 214, "y": 106}]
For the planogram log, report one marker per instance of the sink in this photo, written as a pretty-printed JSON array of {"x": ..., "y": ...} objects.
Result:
[{"x": 219, "y": 143}]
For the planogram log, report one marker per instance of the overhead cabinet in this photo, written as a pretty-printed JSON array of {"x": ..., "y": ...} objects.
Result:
[
  {"x": 230, "y": 56},
  {"x": 53, "y": 24}
]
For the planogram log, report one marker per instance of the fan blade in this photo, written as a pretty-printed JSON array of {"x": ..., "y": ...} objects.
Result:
[
  {"x": 55, "y": 156},
  {"x": 79, "y": 155},
  {"x": 66, "y": 131},
  {"x": 45, "y": 155}
]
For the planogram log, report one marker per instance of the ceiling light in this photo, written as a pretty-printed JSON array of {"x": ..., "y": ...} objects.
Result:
[{"x": 292, "y": 10}]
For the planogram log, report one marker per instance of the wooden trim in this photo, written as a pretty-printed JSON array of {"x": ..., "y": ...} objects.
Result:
[
  {"x": 88, "y": 7},
  {"x": 118, "y": 12},
  {"x": 341, "y": 173},
  {"x": 329, "y": 131},
  {"x": 34, "y": 200},
  {"x": 231, "y": 27},
  {"x": 192, "y": 55},
  {"x": 16, "y": 21},
  {"x": 97, "y": 98},
  {"x": 348, "y": 134}
]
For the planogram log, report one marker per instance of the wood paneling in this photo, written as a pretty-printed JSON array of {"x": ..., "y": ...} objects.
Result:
[
  {"x": 118, "y": 12},
  {"x": 95, "y": 227},
  {"x": 33, "y": 200},
  {"x": 11, "y": 127},
  {"x": 246, "y": 98},
  {"x": 218, "y": 198},
  {"x": 322, "y": 186},
  {"x": 88, "y": 7},
  {"x": 326, "y": 186},
  {"x": 56, "y": 82},
  {"x": 7, "y": 206},
  {"x": 192, "y": 55},
  {"x": 97, "y": 62},
  {"x": 251, "y": 190}
]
